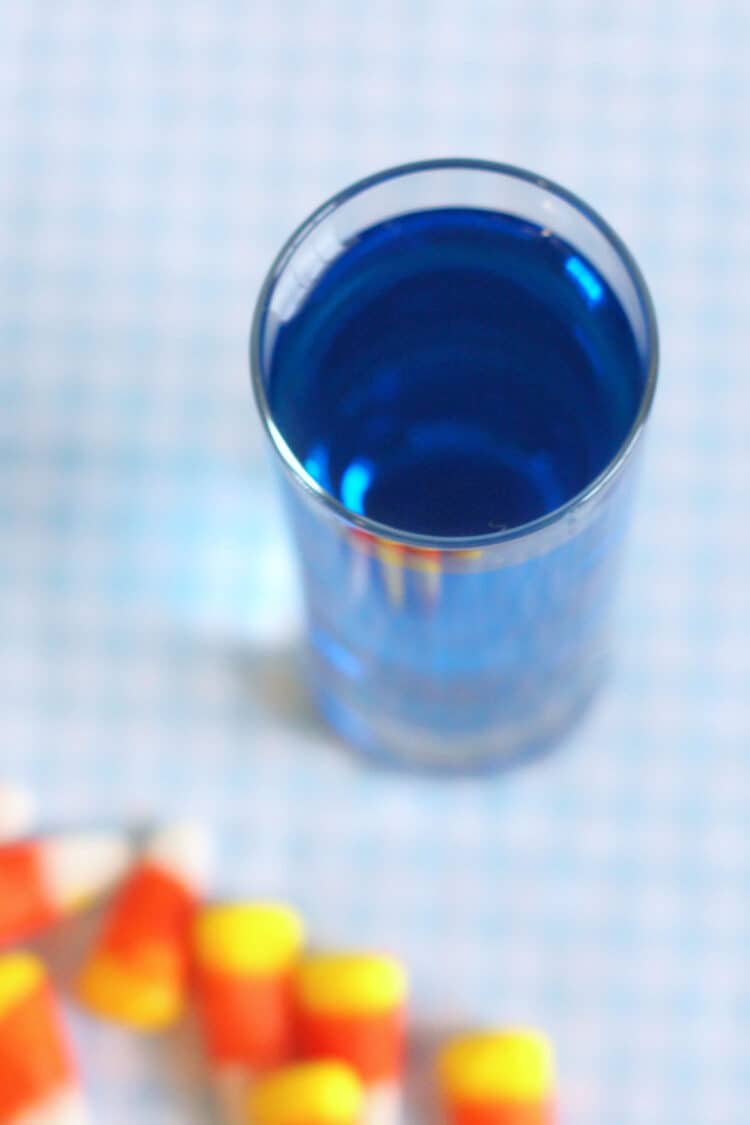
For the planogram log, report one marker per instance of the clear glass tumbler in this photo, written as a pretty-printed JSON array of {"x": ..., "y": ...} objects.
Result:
[{"x": 441, "y": 651}]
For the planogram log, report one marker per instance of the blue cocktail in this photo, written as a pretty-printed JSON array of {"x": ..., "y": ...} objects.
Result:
[{"x": 455, "y": 361}]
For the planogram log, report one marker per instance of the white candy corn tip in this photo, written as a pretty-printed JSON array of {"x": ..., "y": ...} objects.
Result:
[
  {"x": 67, "y": 1108},
  {"x": 184, "y": 850},
  {"x": 81, "y": 865},
  {"x": 383, "y": 1104},
  {"x": 16, "y": 810}
]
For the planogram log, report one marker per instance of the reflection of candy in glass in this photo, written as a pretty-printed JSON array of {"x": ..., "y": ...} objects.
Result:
[
  {"x": 497, "y": 1078},
  {"x": 326, "y": 1093},
  {"x": 38, "y": 1081},
  {"x": 421, "y": 567},
  {"x": 351, "y": 1007},
  {"x": 244, "y": 955},
  {"x": 137, "y": 972},
  {"x": 44, "y": 879}
]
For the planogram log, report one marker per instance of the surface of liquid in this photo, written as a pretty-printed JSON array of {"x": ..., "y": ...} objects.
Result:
[{"x": 456, "y": 372}]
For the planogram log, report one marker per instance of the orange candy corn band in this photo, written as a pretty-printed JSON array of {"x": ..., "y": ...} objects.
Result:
[
  {"x": 351, "y": 1006},
  {"x": 153, "y": 902},
  {"x": 246, "y": 1020},
  {"x": 510, "y": 1113},
  {"x": 35, "y": 1061},
  {"x": 25, "y": 904},
  {"x": 373, "y": 1045}
]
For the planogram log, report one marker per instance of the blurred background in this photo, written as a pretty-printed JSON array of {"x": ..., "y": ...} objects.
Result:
[{"x": 152, "y": 159}]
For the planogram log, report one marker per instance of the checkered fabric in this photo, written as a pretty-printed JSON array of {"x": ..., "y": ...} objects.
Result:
[{"x": 152, "y": 158}]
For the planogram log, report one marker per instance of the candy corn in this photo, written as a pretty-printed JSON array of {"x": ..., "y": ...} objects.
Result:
[
  {"x": 244, "y": 956},
  {"x": 351, "y": 1007},
  {"x": 326, "y": 1093},
  {"x": 38, "y": 1084},
  {"x": 497, "y": 1078},
  {"x": 16, "y": 810},
  {"x": 137, "y": 972},
  {"x": 44, "y": 879}
]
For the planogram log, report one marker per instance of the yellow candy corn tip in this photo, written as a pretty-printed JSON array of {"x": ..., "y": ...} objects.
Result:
[
  {"x": 20, "y": 974},
  {"x": 246, "y": 938},
  {"x": 515, "y": 1065},
  {"x": 323, "y": 1093},
  {"x": 350, "y": 983},
  {"x": 117, "y": 993}
]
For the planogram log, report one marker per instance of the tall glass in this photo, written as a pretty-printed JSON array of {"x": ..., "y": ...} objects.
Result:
[{"x": 450, "y": 652}]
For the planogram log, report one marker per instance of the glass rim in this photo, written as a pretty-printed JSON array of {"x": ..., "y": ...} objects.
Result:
[{"x": 452, "y": 542}]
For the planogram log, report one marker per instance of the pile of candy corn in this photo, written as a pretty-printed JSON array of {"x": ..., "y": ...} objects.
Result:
[{"x": 292, "y": 1037}]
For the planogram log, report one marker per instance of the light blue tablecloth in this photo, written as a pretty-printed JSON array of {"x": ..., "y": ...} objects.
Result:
[{"x": 152, "y": 157}]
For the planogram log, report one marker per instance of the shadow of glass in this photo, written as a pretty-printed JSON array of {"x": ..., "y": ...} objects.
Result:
[{"x": 273, "y": 678}]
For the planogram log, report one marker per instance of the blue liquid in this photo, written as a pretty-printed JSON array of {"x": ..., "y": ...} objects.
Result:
[{"x": 456, "y": 372}]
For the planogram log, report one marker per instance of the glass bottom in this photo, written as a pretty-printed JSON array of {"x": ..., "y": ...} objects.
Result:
[{"x": 500, "y": 745}]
